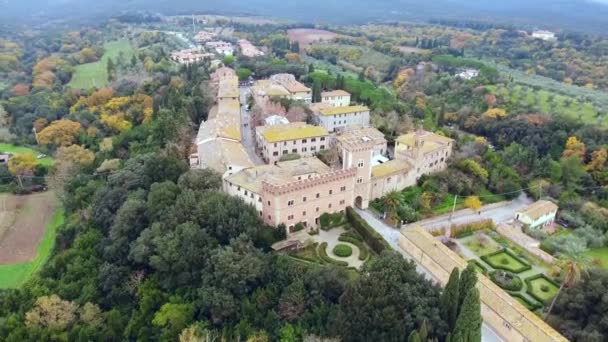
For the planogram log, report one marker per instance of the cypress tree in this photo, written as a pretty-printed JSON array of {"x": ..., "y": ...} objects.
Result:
[
  {"x": 311, "y": 68},
  {"x": 414, "y": 337},
  {"x": 423, "y": 331},
  {"x": 468, "y": 279},
  {"x": 316, "y": 92},
  {"x": 450, "y": 298},
  {"x": 468, "y": 324}
]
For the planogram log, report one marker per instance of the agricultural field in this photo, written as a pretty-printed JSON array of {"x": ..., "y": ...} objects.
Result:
[
  {"x": 353, "y": 58},
  {"x": 307, "y": 37},
  {"x": 95, "y": 74},
  {"x": 27, "y": 235},
  {"x": 543, "y": 101},
  {"x": 46, "y": 161}
]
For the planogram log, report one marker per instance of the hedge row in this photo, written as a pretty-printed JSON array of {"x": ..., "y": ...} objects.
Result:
[
  {"x": 467, "y": 229},
  {"x": 526, "y": 266},
  {"x": 529, "y": 285},
  {"x": 480, "y": 265},
  {"x": 322, "y": 251},
  {"x": 370, "y": 236},
  {"x": 362, "y": 249},
  {"x": 530, "y": 305}
]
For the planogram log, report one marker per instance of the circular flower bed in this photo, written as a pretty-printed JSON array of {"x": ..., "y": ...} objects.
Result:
[
  {"x": 507, "y": 280},
  {"x": 343, "y": 251}
]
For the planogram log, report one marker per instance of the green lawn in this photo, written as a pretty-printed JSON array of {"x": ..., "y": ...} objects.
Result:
[
  {"x": 95, "y": 74},
  {"x": 13, "y": 276},
  {"x": 482, "y": 245},
  {"x": 48, "y": 161},
  {"x": 599, "y": 256}
]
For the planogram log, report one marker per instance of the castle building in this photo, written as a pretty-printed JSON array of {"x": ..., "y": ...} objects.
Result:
[{"x": 338, "y": 118}]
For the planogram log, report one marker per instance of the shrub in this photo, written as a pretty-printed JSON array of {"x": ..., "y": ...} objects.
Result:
[
  {"x": 507, "y": 280},
  {"x": 544, "y": 288},
  {"x": 363, "y": 253},
  {"x": 322, "y": 251},
  {"x": 533, "y": 293},
  {"x": 298, "y": 227},
  {"x": 530, "y": 305},
  {"x": 370, "y": 236},
  {"x": 329, "y": 221},
  {"x": 479, "y": 266},
  {"x": 343, "y": 251}
]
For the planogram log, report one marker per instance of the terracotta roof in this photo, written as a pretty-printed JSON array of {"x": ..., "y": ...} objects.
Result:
[
  {"x": 229, "y": 87},
  {"x": 343, "y": 110},
  {"x": 431, "y": 141},
  {"x": 296, "y": 87},
  {"x": 291, "y": 131},
  {"x": 219, "y": 154},
  {"x": 357, "y": 134},
  {"x": 515, "y": 314},
  {"x": 334, "y": 93},
  {"x": 539, "y": 209},
  {"x": 390, "y": 167}
]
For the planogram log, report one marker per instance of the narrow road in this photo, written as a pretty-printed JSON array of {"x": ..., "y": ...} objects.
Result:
[
  {"x": 498, "y": 212},
  {"x": 391, "y": 235},
  {"x": 247, "y": 132}
]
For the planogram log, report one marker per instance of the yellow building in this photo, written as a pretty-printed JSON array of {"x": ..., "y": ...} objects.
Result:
[{"x": 292, "y": 138}]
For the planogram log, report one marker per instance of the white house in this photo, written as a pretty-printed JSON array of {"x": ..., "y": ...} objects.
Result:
[
  {"x": 538, "y": 215},
  {"x": 338, "y": 118},
  {"x": 544, "y": 35},
  {"x": 336, "y": 98}
]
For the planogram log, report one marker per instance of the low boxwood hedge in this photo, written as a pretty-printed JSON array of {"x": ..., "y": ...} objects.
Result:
[
  {"x": 374, "y": 240},
  {"x": 479, "y": 265},
  {"x": 530, "y": 305},
  {"x": 322, "y": 251},
  {"x": 499, "y": 266},
  {"x": 533, "y": 294}
]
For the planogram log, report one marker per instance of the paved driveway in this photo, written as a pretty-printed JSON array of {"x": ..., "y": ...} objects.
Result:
[
  {"x": 246, "y": 129},
  {"x": 498, "y": 212},
  {"x": 391, "y": 235}
]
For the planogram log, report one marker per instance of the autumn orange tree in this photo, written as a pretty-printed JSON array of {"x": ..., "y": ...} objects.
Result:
[
  {"x": 473, "y": 203},
  {"x": 495, "y": 113},
  {"x": 574, "y": 148},
  {"x": 59, "y": 133}
]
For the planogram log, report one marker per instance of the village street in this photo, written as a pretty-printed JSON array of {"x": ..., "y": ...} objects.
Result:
[{"x": 247, "y": 132}]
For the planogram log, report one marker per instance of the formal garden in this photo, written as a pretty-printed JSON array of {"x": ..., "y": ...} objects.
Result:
[
  {"x": 335, "y": 243},
  {"x": 519, "y": 273}
]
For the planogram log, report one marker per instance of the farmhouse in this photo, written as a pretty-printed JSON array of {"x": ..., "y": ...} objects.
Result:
[
  {"x": 544, "y": 35},
  {"x": 280, "y": 86},
  {"x": 190, "y": 56},
  {"x": 338, "y": 118},
  {"x": 538, "y": 215},
  {"x": 297, "y": 90},
  {"x": 297, "y": 138},
  {"x": 248, "y": 49},
  {"x": 336, "y": 98},
  {"x": 221, "y": 47},
  {"x": 204, "y": 36}
]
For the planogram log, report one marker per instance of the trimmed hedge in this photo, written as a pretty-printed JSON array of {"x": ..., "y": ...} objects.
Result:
[
  {"x": 526, "y": 266},
  {"x": 370, "y": 236},
  {"x": 515, "y": 283},
  {"x": 322, "y": 251},
  {"x": 476, "y": 263},
  {"x": 530, "y": 305},
  {"x": 532, "y": 294},
  {"x": 343, "y": 251},
  {"x": 362, "y": 248}
]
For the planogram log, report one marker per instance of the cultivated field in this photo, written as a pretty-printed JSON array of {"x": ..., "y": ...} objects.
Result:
[
  {"x": 95, "y": 74},
  {"x": 27, "y": 234},
  {"x": 308, "y": 36}
]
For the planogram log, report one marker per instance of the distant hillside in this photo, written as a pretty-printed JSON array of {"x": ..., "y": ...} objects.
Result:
[{"x": 574, "y": 15}]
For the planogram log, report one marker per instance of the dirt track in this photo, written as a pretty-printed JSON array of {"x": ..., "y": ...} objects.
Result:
[{"x": 30, "y": 216}]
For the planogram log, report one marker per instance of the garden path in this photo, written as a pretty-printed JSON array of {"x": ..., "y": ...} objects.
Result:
[{"x": 331, "y": 237}]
